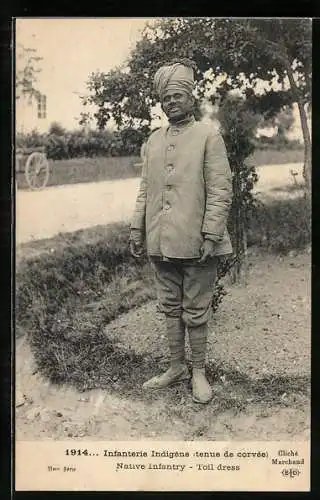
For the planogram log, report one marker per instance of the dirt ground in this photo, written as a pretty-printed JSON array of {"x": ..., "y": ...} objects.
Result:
[
  {"x": 271, "y": 402},
  {"x": 276, "y": 301},
  {"x": 43, "y": 214}
]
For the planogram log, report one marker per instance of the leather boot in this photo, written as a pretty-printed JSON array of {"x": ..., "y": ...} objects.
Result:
[
  {"x": 178, "y": 371},
  {"x": 201, "y": 389}
]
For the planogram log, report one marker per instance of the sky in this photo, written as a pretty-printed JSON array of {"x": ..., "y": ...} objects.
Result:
[{"x": 71, "y": 50}]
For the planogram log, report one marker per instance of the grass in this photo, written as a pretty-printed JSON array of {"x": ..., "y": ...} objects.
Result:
[
  {"x": 81, "y": 273},
  {"x": 289, "y": 188},
  {"x": 80, "y": 170},
  {"x": 274, "y": 157},
  {"x": 71, "y": 286},
  {"x": 281, "y": 226}
]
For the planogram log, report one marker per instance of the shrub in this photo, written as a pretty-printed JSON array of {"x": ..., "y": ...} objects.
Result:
[
  {"x": 56, "y": 147},
  {"x": 32, "y": 139},
  {"x": 132, "y": 140},
  {"x": 280, "y": 226},
  {"x": 61, "y": 144},
  {"x": 238, "y": 124}
]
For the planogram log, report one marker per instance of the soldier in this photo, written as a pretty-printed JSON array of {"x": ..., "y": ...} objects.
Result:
[{"x": 181, "y": 214}]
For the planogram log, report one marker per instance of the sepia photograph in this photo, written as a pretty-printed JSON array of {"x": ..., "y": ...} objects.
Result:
[{"x": 163, "y": 240}]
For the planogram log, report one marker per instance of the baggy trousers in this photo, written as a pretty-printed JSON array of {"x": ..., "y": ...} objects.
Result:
[{"x": 185, "y": 289}]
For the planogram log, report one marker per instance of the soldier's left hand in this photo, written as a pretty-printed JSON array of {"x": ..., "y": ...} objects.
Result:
[{"x": 207, "y": 251}]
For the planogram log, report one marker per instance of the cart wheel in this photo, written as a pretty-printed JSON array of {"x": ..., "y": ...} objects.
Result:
[{"x": 37, "y": 170}]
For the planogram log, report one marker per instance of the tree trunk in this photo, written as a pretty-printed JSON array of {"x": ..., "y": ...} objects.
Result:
[
  {"x": 305, "y": 132},
  {"x": 307, "y": 147}
]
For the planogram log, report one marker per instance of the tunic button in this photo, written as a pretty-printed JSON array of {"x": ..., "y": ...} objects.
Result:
[
  {"x": 171, "y": 147},
  {"x": 170, "y": 167}
]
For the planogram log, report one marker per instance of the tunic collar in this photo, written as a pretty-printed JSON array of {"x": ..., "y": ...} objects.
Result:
[{"x": 180, "y": 126}]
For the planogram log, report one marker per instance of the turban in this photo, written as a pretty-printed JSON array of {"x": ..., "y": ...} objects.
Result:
[{"x": 174, "y": 77}]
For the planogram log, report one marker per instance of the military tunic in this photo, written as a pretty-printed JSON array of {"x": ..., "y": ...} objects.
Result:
[
  {"x": 184, "y": 196},
  {"x": 185, "y": 191}
]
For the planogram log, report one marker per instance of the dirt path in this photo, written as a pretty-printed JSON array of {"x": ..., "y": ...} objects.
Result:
[
  {"x": 44, "y": 214},
  {"x": 278, "y": 290}
]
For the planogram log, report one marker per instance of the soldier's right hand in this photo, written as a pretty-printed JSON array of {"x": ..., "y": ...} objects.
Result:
[{"x": 136, "y": 249}]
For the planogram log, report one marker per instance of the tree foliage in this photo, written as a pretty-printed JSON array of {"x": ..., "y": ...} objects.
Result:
[
  {"x": 57, "y": 129},
  {"x": 236, "y": 53},
  {"x": 246, "y": 50},
  {"x": 241, "y": 52},
  {"x": 27, "y": 68}
]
